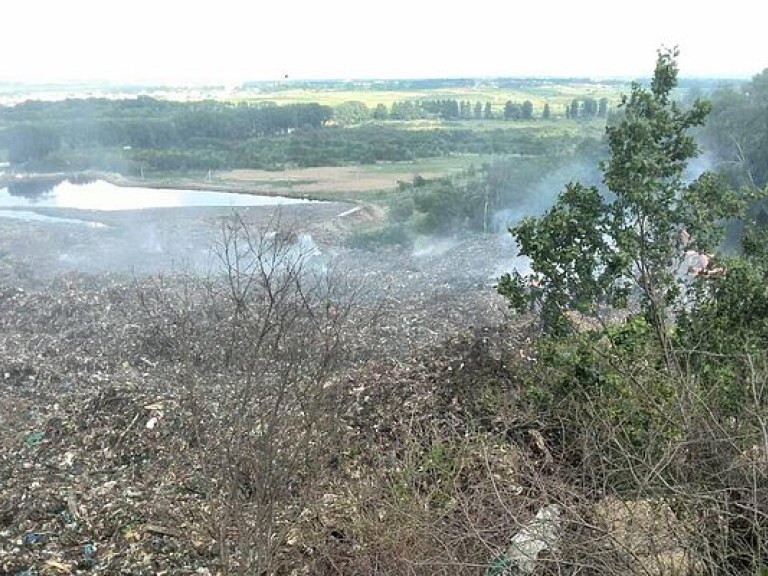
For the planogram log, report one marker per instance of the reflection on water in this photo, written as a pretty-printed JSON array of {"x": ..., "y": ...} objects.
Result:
[
  {"x": 101, "y": 195},
  {"x": 32, "y": 190}
]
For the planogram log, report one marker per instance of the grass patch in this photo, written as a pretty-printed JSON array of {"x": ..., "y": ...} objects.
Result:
[
  {"x": 557, "y": 93},
  {"x": 381, "y": 237},
  {"x": 439, "y": 166}
]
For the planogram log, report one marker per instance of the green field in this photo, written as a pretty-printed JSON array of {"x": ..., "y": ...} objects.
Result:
[{"x": 557, "y": 94}]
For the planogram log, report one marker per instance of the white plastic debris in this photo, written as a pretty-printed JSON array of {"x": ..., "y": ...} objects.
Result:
[{"x": 541, "y": 533}]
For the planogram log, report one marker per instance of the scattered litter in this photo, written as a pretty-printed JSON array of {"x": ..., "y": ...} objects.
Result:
[
  {"x": 162, "y": 530},
  {"x": 84, "y": 485},
  {"x": 61, "y": 567},
  {"x": 34, "y": 438},
  {"x": 32, "y": 538},
  {"x": 541, "y": 533},
  {"x": 68, "y": 459}
]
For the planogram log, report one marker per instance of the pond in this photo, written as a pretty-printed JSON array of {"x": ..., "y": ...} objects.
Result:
[{"x": 101, "y": 195}]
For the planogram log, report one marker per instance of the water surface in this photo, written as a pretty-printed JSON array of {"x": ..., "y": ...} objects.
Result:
[{"x": 101, "y": 195}]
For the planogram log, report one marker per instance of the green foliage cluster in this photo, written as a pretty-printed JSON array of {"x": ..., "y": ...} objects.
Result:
[
  {"x": 146, "y": 122},
  {"x": 460, "y": 204},
  {"x": 156, "y": 135},
  {"x": 443, "y": 109},
  {"x": 668, "y": 399},
  {"x": 351, "y": 113},
  {"x": 595, "y": 250},
  {"x": 468, "y": 201},
  {"x": 594, "y": 247},
  {"x": 397, "y": 234},
  {"x": 185, "y": 135},
  {"x": 516, "y": 111},
  {"x": 728, "y": 325},
  {"x": 587, "y": 108},
  {"x": 590, "y": 372}
]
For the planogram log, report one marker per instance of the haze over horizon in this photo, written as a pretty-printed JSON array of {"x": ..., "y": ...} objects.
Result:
[{"x": 232, "y": 41}]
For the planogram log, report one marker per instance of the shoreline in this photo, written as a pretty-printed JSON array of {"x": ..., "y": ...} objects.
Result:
[{"x": 172, "y": 183}]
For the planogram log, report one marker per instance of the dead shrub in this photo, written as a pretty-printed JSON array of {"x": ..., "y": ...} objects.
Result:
[{"x": 255, "y": 351}]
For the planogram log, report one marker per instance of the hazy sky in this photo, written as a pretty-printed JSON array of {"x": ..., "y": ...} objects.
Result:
[{"x": 231, "y": 41}]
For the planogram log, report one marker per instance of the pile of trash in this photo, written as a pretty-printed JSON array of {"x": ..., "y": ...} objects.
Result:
[{"x": 98, "y": 467}]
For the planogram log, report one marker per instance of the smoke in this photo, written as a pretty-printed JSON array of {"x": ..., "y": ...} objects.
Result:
[
  {"x": 429, "y": 246},
  {"x": 152, "y": 243},
  {"x": 698, "y": 166},
  {"x": 536, "y": 199},
  {"x": 512, "y": 260},
  {"x": 281, "y": 251},
  {"x": 541, "y": 196}
]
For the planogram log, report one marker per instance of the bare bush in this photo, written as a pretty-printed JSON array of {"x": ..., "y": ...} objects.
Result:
[{"x": 255, "y": 350}]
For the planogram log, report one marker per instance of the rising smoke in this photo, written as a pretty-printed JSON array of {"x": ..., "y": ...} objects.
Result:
[{"x": 535, "y": 201}]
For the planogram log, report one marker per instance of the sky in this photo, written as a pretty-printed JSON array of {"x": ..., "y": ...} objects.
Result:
[{"x": 228, "y": 41}]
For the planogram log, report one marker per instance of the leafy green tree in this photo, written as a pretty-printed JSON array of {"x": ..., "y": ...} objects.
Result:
[
  {"x": 512, "y": 110},
  {"x": 526, "y": 110},
  {"x": 405, "y": 110},
  {"x": 488, "y": 112},
  {"x": 447, "y": 206},
  {"x": 27, "y": 142},
  {"x": 380, "y": 112},
  {"x": 450, "y": 110},
  {"x": 593, "y": 249},
  {"x": 351, "y": 113},
  {"x": 478, "y": 111},
  {"x": 575, "y": 108},
  {"x": 546, "y": 113}
]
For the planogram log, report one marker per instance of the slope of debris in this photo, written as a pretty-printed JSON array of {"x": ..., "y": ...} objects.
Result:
[{"x": 98, "y": 466}]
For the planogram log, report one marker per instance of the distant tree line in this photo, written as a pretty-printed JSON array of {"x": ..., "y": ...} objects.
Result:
[
  {"x": 148, "y": 134},
  {"x": 35, "y": 130},
  {"x": 587, "y": 108},
  {"x": 516, "y": 111},
  {"x": 342, "y": 146},
  {"x": 445, "y": 109}
]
